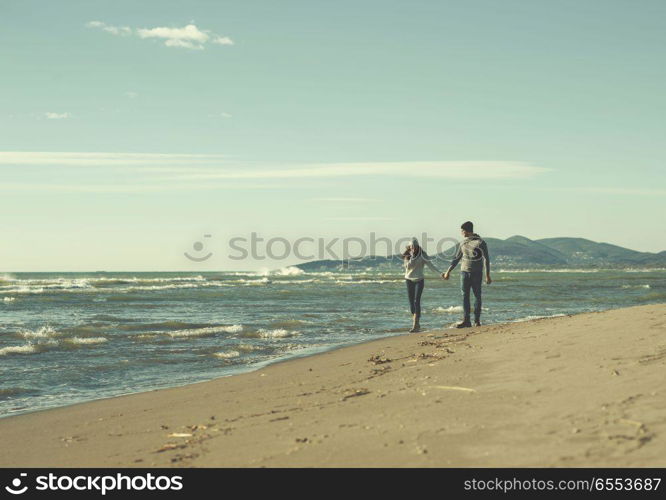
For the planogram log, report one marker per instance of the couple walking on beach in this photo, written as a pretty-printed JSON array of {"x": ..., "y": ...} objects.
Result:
[{"x": 472, "y": 252}]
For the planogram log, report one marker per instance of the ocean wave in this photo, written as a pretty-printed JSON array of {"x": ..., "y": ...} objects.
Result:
[
  {"x": 290, "y": 271},
  {"x": 43, "y": 332},
  {"x": 530, "y": 318},
  {"x": 285, "y": 271},
  {"x": 110, "y": 318},
  {"x": 286, "y": 323},
  {"x": 277, "y": 333},
  {"x": 7, "y": 300},
  {"x": 29, "y": 348},
  {"x": 226, "y": 354},
  {"x": 636, "y": 286},
  {"x": 448, "y": 310},
  {"x": 643, "y": 270},
  {"x": 46, "y": 338},
  {"x": 206, "y": 331},
  {"x": 135, "y": 280},
  {"x": 265, "y": 333},
  {"x": 248, "y": 347},
  {"x": 8, "y": 392},
  {"x": 549, "y": 270},
  {"x": 34, "y": 288},
  {"x": 22, "y": 290},
  {"x": 366, "y": 282},
  {"x": 86, "y": 340}
]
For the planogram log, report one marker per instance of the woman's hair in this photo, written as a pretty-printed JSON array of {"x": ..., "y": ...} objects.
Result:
[{"x": 408, "y": 251}]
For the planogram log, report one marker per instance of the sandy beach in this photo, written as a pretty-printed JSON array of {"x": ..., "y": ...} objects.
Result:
[{"x": 585, "y": 390}]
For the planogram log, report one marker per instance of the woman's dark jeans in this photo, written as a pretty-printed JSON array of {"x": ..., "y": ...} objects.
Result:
[{"x": 414, "y": 291}]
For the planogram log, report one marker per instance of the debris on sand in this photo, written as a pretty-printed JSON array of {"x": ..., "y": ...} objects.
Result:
[
  {"x": 379, "y": 360},
  {"x": 452, "y": 388},
  {"x": 352, "y": 393},
  {"x": 169, "y": 446}
]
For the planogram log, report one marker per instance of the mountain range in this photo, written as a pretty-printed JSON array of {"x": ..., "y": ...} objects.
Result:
[{"x": 519, "y": 252}]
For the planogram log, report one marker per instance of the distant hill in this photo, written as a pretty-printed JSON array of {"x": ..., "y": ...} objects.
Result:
[{"x": 519, "y": 252}]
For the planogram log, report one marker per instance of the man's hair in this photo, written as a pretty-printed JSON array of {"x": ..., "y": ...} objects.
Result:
[{"x": 468, "y": 226}]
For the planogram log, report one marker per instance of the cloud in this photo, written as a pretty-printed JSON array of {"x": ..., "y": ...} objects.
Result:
[
  {"x": 223, "y": 40},
  {"x": 343, "y": 200},
  {"x": 100, "y": 159},
  {"x": 621, "y": 191},
  {"x": 359, "y": 218},
  {"x": 130, "y": 94},
  {"x": 114, "y": 30},
  {"x": 453, "y": 170},
  {"x": 188, "y": 37},
  {"x": 117, "y": 172},
  {"x": 222, "y": 114},
  {"x": 128, "y": 188},
  {"x": 57, "y": 116}
]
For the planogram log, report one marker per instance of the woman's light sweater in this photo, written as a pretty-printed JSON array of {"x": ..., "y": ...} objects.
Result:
[{"x": 414, "y": 266}]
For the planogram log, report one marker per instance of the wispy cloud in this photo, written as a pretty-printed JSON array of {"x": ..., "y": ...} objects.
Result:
[
  {"x": 359, "y": 218},
  {"x": 187, "y": 37},
  {"x": 343, "y": 200},
  {"x": 218, "y": 166},
  {"x": 99, "y": 159},
  {"x": 57, "y": 116},
  {"x": 114, "y": 30},
  {"x": 127, "y": 188},
  {"x": 454, "y": 170},
  {"x": 130, "y": 94},
  {"x": 116, "y": 172},
  {"x": 616, "y": 191}
]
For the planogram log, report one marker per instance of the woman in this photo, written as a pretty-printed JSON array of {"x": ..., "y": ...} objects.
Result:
[{"x": 414, "y": 258}]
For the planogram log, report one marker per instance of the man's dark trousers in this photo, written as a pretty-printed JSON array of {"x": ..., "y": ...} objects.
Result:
[{"x": 471, "y": 281}]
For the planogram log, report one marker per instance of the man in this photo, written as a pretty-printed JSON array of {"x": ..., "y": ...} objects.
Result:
[{"x": 473, "y": 252}]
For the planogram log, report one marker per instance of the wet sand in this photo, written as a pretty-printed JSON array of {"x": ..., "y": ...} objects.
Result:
[{"x": 585, "y": 390}]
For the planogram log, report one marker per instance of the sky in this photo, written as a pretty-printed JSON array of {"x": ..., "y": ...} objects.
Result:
[{"x": 130, "y": 130}]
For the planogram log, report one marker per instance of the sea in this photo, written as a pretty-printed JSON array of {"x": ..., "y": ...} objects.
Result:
[{"x": 72, "y": 337}]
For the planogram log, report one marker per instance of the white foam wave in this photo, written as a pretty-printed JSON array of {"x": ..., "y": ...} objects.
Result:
[
  {"x": 227, "y": 354},
  {"x": 636, "y": 286},
  {"x": 7, "y": 300},
  {"x": 530, "y": 318},
  {"x": 208, "y": 330},
  {"x": 18, "y": 349},
  {"x": 278, "y": 333},
  {"x": 548, "y": 270},
  {"x": 147, "y": 280},
  {"x": 448, "y": 310},
  {"x": 86, "y": 340},
  {"x": 349, "y": 281},
  {"x": 43, "y": 332},
  {"x": 92, "y": 285},
  {"x": 290, "y": 271}
]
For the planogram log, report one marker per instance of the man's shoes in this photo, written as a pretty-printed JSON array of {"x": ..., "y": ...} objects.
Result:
[
  {"x": 464, "y": 324},
  {"x": 477, "y": 322}
]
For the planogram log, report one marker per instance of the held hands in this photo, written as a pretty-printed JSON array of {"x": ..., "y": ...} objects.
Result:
[
  {"x": 446, "y": 275},
  {"x": 488, "y": 280}
]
